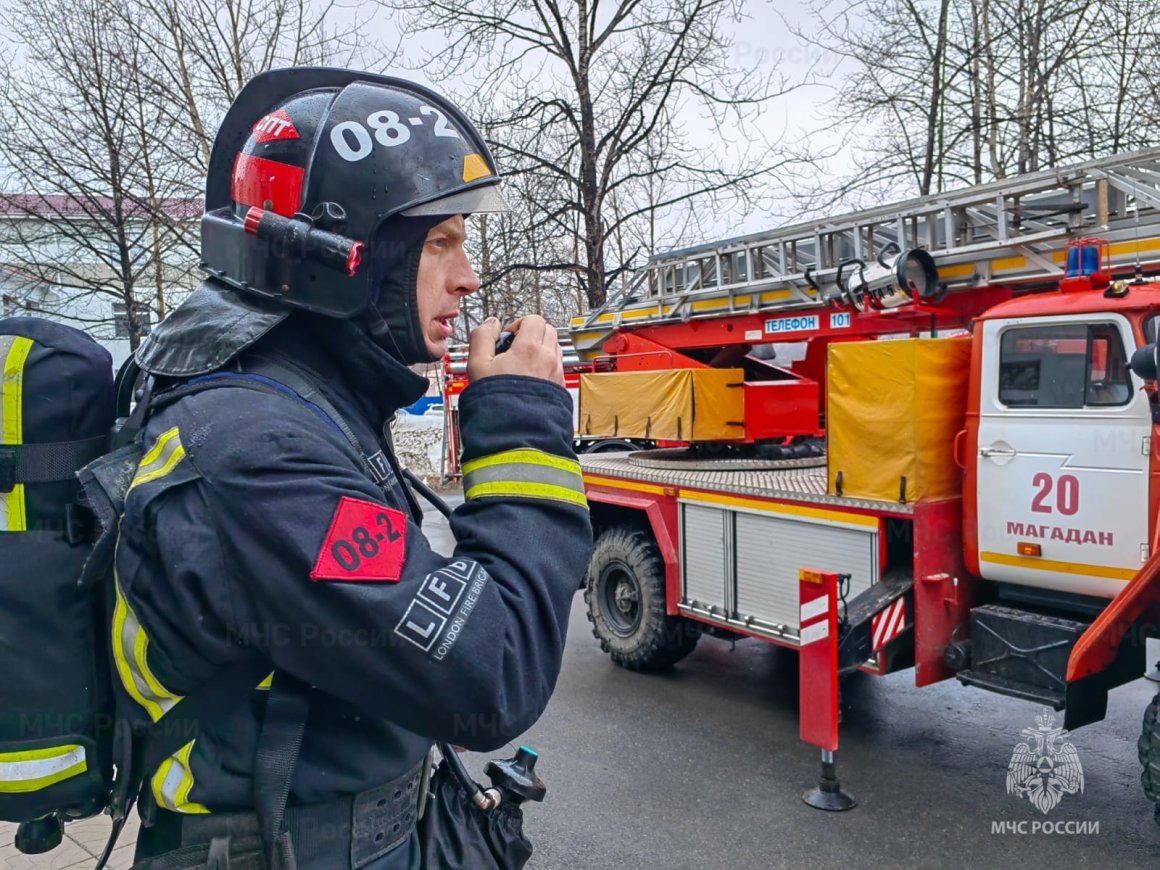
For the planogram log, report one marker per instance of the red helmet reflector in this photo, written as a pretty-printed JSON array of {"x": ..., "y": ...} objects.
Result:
[{"x": 267, "y": 184}]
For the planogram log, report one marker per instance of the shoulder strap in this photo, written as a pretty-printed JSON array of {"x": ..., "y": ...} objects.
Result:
[
  {"x": 47, "y": 462},
  {"x": 279, "y": 743},
  {"x": 270, "y": 376},
  {"x": 305, "y": 390},
  {"x": 277, "y": 376},
  {"x": 378, "y": 465},
  {"x": 229, "y": 689}
]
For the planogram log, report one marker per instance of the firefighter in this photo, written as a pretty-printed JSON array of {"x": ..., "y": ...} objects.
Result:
[{"x": 267, "y": 526}]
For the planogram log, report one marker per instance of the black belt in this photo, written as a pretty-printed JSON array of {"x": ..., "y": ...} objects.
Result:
[{"x": 365, "y": 826}]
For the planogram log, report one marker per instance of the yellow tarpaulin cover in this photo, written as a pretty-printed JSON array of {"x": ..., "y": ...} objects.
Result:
[
  {"x": 893, "y": 409},
  {"x": 676, "y": 405}
]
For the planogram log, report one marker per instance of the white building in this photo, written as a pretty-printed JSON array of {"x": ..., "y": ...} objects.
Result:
[{"x": 52, "y": 265}]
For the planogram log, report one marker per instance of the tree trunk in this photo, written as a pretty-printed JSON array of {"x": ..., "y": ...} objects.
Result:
[
  {"x": 933, "y": 154},
  {"x": 976, "y": 95},
  {"x": 1024, "y": 109},
  {"x": 537, "y": 290},
  {"x": 992, "y": 95},
  {"x": 589, "y": 188},
  {"x": 131, "y": 325}
]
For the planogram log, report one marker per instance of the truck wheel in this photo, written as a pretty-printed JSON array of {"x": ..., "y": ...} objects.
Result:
[
  {"x": 625, "y": 593},
  {"x": 1149, "y": 747},
  {"x": 613, "y": 446}
]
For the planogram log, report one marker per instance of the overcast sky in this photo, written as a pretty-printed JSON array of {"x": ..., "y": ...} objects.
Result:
[{"x": 763, "y": 39}]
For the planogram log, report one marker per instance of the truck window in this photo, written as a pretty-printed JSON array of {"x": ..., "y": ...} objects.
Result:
[{"x": 1063, "y": 366}]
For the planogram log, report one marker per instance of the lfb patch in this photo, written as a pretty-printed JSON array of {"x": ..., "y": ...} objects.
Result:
[{"x": 366, "y": 542}]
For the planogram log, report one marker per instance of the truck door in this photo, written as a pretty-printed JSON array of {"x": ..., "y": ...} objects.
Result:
[{"x": 1063, "y": 451}]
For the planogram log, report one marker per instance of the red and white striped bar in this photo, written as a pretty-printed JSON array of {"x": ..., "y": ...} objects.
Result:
[{"x": 818, "y": 659}]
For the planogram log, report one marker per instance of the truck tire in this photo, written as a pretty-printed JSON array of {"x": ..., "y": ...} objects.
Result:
[
  {"x": 625, "y": 593},
  {"x": 616, "y": 445},
  {"x": 1149, "y": 747}
]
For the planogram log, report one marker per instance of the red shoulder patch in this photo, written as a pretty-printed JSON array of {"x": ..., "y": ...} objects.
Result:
[{"x": 366, "y": 541}]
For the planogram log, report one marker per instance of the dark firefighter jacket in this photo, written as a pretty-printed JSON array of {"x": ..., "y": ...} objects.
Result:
[{"x": 251, "y": 529}]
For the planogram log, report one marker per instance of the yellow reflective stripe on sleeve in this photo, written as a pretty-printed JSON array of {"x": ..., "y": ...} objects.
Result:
[
  {"x": 173, "y": 782},
  {"x": 527, "y": 490},
  {"x": 268, "y": 682},
  {"x": 161, "y": 459},
  {"x": 524, "y": 455},
  {"x": 130, "y": 642},
  {"x": 524, "y": 473},
  {"x": 130, "y": 655},
  {"x": 14, "y": 350},
  {"x": 34, "y": 769}
]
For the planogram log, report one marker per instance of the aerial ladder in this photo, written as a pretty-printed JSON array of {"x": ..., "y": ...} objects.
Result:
[{"x": 987, "y": 241}]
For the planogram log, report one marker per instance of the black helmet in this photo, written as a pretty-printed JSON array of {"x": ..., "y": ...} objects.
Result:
[{"x": 310, "y": 162}]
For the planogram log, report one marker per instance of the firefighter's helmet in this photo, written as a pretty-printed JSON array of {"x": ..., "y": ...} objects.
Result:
[{"x": 308, "y": 165}]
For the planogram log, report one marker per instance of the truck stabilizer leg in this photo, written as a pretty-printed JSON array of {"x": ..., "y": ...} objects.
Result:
[
  {"x": 829, "y": 794},
  {"x": 818, "y": 664}
]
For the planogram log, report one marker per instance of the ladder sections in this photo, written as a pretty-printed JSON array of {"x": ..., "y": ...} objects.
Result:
[{"x": 1007, "y": 232}]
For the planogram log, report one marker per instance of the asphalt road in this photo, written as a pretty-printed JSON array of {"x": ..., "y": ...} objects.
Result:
[{"x": 702, "y": 768}]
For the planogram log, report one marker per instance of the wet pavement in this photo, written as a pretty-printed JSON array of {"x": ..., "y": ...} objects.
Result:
[{"x": 702, "y": 768}]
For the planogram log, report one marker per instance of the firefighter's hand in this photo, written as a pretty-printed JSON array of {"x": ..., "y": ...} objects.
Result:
[{"x": 534, "y": 353}]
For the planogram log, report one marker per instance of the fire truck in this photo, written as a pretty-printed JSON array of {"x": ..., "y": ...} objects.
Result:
[{"x": 921, "y": 436}]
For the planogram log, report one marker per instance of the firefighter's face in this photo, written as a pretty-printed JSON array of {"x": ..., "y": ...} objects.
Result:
[{"x": 445, "y": 277}]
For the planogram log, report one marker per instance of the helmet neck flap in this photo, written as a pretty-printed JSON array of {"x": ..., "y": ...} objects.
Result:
[
  {"x": 212, "y": 326},
  {"x": 392, "y": 318}
]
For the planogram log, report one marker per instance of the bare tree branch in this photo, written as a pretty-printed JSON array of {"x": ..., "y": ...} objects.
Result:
[{"x": 579, "y": 99}]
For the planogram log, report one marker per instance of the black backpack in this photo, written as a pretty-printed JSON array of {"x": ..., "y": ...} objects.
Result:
[
  {"x": 56, "y": 412},
  {"x": 68, "y": 452},
  {"x": 69, "y": 448}
]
